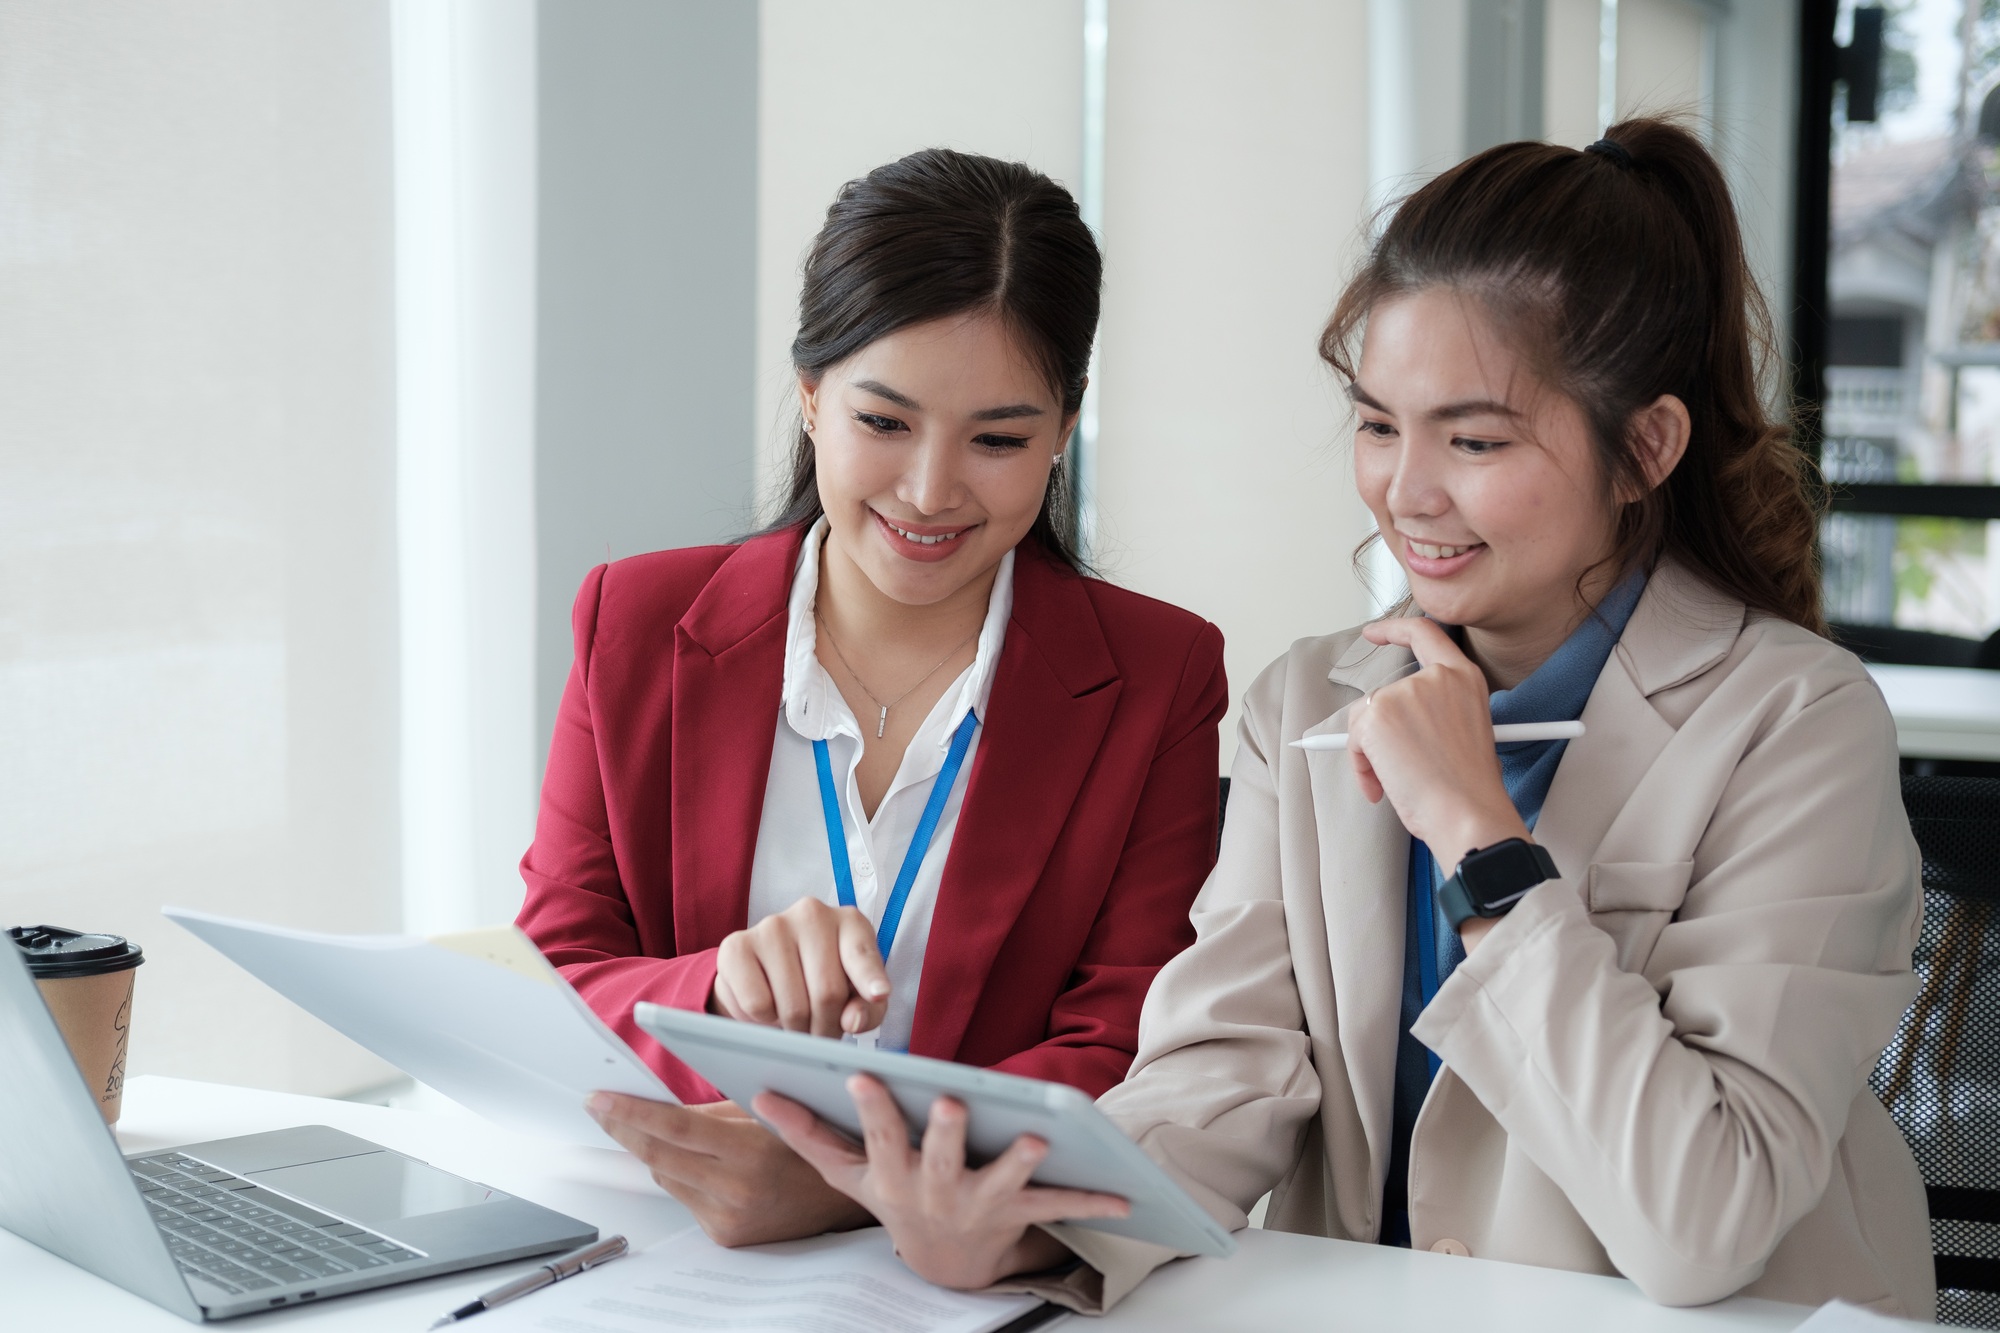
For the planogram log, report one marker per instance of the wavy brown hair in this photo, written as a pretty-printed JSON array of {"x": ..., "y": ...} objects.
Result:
[{"x": 1619, "y": 273}]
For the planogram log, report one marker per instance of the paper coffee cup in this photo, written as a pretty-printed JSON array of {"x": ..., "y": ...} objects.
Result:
[{"x": 86, "y": 981}]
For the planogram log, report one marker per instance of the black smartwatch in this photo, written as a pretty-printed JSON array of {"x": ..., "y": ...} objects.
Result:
[{"x": 1490, "y": 880}]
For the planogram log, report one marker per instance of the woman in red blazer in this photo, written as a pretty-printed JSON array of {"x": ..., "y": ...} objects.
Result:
[{"x": 682, "y": 854}]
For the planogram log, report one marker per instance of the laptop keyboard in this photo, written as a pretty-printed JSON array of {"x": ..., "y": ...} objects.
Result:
[{"x": 242, "y": 1237}]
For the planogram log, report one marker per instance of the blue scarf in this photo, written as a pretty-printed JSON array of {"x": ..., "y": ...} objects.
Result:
[{"x": 1556, "y": 692}]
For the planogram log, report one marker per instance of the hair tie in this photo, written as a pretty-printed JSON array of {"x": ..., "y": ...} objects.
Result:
[{"x": 1617, "y": 153}]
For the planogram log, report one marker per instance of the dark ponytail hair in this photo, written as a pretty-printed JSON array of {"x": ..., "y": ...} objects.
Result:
[
  {"x": 1619, "y": 272},
  {"x": 942, "y": 233}
]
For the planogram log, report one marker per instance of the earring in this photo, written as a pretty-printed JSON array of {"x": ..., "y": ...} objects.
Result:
[{"x": 1057, "y": 461}]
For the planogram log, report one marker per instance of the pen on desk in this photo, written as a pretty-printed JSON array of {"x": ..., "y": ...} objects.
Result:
[
  {"x": 1503, "y": 734},
  {"x": 555, "y": 1270}
]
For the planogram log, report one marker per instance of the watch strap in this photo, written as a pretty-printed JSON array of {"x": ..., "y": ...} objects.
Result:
[{"x": 1455, "y": 902}]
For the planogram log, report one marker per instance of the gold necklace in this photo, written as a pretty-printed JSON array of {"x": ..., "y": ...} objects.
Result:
[{"x": 882, "y": 719}]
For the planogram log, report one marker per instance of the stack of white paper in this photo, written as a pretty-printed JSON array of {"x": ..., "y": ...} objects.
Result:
[
  {"x": 480, "y": 1016},
  {"x": 847, "y": 1283}
]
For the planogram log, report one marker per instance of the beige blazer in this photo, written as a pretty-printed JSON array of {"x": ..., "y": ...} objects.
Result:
[{"x": 1655, "y": 1066}]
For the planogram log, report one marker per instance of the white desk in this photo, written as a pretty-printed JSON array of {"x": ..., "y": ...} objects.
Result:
[
  {"x": 1275, "y": 1282},
  {"x": 1943, "y": 712}
]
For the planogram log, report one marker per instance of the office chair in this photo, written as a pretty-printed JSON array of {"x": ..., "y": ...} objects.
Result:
[{"x": 1940, "y": 1077}]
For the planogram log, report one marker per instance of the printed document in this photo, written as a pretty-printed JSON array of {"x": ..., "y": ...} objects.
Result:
[
  {"x": 851, "y": 1282},
  {"x": 480, "y": 1016}
]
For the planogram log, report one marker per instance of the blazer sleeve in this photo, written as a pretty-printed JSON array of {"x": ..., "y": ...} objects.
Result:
[
  {"x": 1224, "y": 1085},
  {"x": 1691, "y": 1113},
  {"x": 576, "y": 909},
  {"x": 1143, "y": 921}
]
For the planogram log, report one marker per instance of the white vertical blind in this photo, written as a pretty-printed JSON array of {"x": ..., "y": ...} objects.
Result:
[
  {"x": 465, "y": 358},
  {"x": 1090, "y": 201},
  {"x": 1607, "y": 64}
]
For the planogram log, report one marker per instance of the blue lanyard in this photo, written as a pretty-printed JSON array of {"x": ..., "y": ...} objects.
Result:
[{"x": 920, "y": 841}]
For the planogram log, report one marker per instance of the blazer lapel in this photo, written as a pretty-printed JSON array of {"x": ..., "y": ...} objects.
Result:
[
  {"x": 1052, "y": 701},
  {"x": 1680, "y": 629},
  {"x": 1364, "y": 858},
  {"x": 729, "y": 666}
]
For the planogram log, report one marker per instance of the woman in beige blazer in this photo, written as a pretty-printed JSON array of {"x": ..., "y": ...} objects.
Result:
[{"x": 1655, "y": 1061}]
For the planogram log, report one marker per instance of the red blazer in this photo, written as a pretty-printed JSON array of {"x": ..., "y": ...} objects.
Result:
[{"x": 1088, "y": 827}]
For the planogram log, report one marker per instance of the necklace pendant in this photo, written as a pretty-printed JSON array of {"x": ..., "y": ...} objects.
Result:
[{"x": 881, "y": 724}]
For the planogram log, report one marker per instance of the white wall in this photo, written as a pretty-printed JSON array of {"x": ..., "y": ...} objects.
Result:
[
  {"x": 197, "y": 506},
  {"x": 1734, "y": 66},
  {"x": 1662, "y": 65},
  {"x": 1416, "y": 108},
  {"x": 1661, "y": 49},
  {"x": 1756, "y": 134},
  {"x": 647, "y": 286},
  {"x": 1236, "y": 184},
  {"x": 1503, "y": 88},
  {"x": 847, "y": 85},
  {"x": 1570, "y": 32}
]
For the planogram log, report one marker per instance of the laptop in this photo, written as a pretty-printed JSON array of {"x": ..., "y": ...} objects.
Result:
[{"x": 215, "y": 1230}]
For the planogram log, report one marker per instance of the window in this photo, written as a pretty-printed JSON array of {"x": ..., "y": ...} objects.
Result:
[{"x": 1898, "y": 312}]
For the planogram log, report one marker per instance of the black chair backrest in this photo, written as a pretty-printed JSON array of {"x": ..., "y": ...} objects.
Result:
[
  {"x": 1918, "y": 647},
  {"x": 1940, "y": 1077},
  {"x": 1910, "y": 647}
]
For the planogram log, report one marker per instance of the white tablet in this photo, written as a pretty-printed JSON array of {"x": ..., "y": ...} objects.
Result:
[{"x": 1086, "y": 1151}]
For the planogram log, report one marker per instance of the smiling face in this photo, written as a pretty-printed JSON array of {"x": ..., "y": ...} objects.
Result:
[
  {"x": 932, "y": 447},
  {"x": 1485, "y": 484}
]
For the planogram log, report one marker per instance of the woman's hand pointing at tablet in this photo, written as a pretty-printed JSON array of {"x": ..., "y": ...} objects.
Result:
[
  {"x": 953, "y": 1225},
  {"x": 810, "y": 968}
]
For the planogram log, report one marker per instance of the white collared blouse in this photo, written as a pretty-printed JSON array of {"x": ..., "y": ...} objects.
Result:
[{"x": 793, "y": 860}]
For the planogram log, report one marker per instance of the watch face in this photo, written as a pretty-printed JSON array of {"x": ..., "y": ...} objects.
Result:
[{"x": 1495, "y": 876}]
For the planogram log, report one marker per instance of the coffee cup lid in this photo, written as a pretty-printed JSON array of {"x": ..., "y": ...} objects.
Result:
[{"x": 52, "y": 952}]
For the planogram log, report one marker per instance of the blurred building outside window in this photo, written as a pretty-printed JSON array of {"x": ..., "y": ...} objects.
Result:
[{"x": 1913, "y": 346}]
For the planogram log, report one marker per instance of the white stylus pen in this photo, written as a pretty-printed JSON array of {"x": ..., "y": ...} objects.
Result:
[{"x": 1503, "y": 734}]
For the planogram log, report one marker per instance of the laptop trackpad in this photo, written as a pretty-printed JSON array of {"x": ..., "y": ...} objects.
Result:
[{"x": 376, "y": 1188}]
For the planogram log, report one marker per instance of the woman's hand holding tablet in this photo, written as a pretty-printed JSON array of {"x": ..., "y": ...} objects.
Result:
[
  {"x": 949, "y": 1213},
  {"x": 726, "y": 1168},
  {"x": 999, "y": 1154}
]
